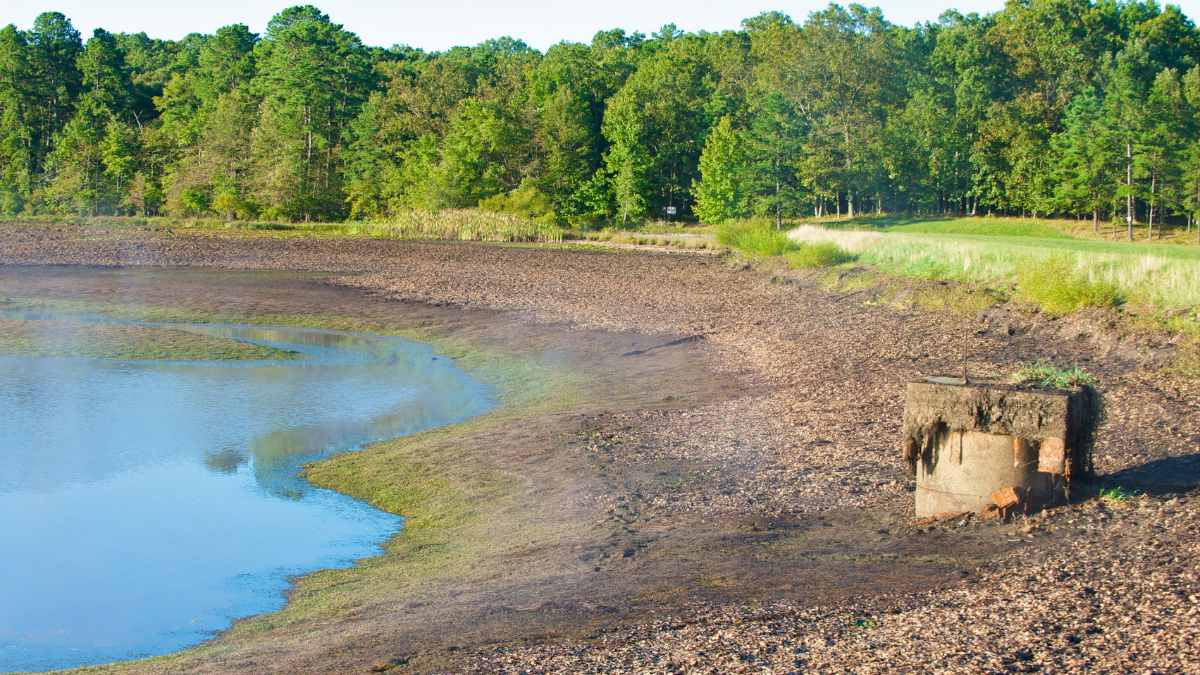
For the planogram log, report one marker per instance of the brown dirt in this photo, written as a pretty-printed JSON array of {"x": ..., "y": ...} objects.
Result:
[{"x": 737, "y": 501}]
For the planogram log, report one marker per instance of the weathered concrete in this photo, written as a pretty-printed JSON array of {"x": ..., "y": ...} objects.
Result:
[{"x": 992, "y": 447}]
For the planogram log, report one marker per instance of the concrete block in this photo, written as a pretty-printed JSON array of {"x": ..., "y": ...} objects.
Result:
[{"x": 980, "y": 445}]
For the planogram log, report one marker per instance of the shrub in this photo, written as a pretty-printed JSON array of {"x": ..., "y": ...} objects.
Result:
[
  {"x": 1058, "y": 288},
  {"x": 824, "y": 254},
  {"x": 526, "y": 201},
  {"x": 755, "y": 238}
]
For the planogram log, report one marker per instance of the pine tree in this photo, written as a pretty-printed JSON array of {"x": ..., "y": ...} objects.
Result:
[
  {"x": 774, "y": 141},
  {"x": 312, "y": 77},
  {"x": 17, "y": 123},
  {"x": 1086, "y": 169}
]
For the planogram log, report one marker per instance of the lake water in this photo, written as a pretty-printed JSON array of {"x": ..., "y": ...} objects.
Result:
[{"x": 146, "y": 505}]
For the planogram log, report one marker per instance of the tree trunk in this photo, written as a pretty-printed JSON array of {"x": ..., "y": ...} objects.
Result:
[
  {"x": 1096, "y": 221},
  {"x": 1129, "y": 188},
  {"x": 1150, "y": 216},
  {"x": 778, "y": 206}
]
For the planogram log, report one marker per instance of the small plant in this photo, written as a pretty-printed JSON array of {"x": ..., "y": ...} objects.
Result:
[
  {"x": 866, "y": 624},
  {"x": 1116, "y": 493},
  {"x": 1059, "y": 288},
  {"x": 1047, "y": 375},
  {"x": 811, "y": 256}
]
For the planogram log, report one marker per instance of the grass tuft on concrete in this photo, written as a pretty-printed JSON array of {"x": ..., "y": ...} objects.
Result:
[{"x": 1043, "y": 374}]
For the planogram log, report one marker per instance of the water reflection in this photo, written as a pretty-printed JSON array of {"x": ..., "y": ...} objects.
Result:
[{"x": 145, "y": 505}]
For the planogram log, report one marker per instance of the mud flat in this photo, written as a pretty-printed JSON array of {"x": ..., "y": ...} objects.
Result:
[{"x": 694, "y": 465}]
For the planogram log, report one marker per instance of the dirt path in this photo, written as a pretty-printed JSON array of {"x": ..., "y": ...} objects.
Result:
[{"x": 726, "y": 491}]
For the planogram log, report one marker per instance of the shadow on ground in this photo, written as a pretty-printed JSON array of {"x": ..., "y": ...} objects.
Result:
[{"x": 1166, "y": 476}]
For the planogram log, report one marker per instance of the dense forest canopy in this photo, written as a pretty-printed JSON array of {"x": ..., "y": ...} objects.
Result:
[{"x": 1068, "y": 107}]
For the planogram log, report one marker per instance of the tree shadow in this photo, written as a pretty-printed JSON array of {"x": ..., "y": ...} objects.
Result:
[{"x": 1170, "y": 475}]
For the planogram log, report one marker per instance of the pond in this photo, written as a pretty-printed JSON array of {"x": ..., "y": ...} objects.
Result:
[{"x": 146, "y": 505}]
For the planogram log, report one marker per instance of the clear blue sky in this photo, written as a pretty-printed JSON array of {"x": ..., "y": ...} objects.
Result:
[{"x": 436, "y": 25}]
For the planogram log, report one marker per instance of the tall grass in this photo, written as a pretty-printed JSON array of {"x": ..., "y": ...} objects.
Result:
[
  {"x": 1157, "y": 276},
  {"x": 462, "y": 225},
  {"x": 760, "y": 239},
  {"x": 823, "y": 254},
  {"x": 1059, "y": 288},
  {"x": 755, "y": 238},
  {"x": 446, "y": 225}
]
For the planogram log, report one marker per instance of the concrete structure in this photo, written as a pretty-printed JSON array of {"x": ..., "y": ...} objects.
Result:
[{"x": 995, "y": 448}]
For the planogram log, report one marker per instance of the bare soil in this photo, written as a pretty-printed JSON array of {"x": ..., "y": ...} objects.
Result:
[{"x": 729, "y": 494}]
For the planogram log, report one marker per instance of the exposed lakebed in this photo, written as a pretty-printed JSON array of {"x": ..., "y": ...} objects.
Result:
[{"x": 147, "y": 504}]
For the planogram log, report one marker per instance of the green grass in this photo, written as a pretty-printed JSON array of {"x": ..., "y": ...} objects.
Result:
[
  {"x": 1042, "y": 374},
  {"x": 812, "y": 256},
  {"x": 1058, "y": 288},
  {"x": 757, "y": 239},
  {"x": 1152, "y": 278},
  {"x": 989, "y": 227},
  {"x": 1116, "y": 493}
]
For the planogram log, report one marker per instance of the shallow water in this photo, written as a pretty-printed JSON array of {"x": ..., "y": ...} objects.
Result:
[{"x": 146, "y": 505}]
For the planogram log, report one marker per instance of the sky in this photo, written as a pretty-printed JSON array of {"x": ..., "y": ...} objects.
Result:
[{"x": 437, "y": 25}]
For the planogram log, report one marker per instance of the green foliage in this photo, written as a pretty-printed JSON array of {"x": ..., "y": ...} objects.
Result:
[
  {"x": 810, "y": 256},
  {"x": 755, "y": 238},
  {"x": 1050, "y": 376},
  {"x": 1044, "y": 108},
  {"x": 718, "y": 193},
  {"x": 1058, "y": 288},
  {"x": 526, "y": 201}
]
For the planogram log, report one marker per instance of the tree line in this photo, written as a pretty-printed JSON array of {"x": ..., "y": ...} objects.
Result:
[{"x": 1048, "y": 107}]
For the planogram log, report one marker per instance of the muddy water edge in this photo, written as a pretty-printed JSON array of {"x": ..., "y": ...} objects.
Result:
[{"x": 520, "y": 526}]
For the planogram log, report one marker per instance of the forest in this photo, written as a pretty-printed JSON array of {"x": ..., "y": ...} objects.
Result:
[{"x": 1068, "y": 108}]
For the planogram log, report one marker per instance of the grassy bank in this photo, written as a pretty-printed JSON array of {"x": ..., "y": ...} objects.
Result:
[
  {"x": 448, "y": 225},
  {"x": 759, "y": 239},
  {"x": 1046, "y": 267},
  {"x": 1046, "y": 228}
]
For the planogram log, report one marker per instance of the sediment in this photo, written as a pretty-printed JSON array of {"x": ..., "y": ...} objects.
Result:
[{"x": 728, "y": 495}]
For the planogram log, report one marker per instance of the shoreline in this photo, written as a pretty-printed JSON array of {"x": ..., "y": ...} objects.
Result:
[{"x": 748, "y": 469}]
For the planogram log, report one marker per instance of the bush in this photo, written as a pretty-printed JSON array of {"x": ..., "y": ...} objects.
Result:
[
  {"x": 526, "y": 201},
  {"x": 825, "y": 254},
  {"x": 755, "y": 238},
  {"x": 1058, "y": 288}
]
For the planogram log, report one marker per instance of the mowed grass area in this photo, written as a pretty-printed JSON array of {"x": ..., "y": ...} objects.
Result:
[
  {"x": 1046, "y": 228},
  {"x": 1032, "y": 259}
]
